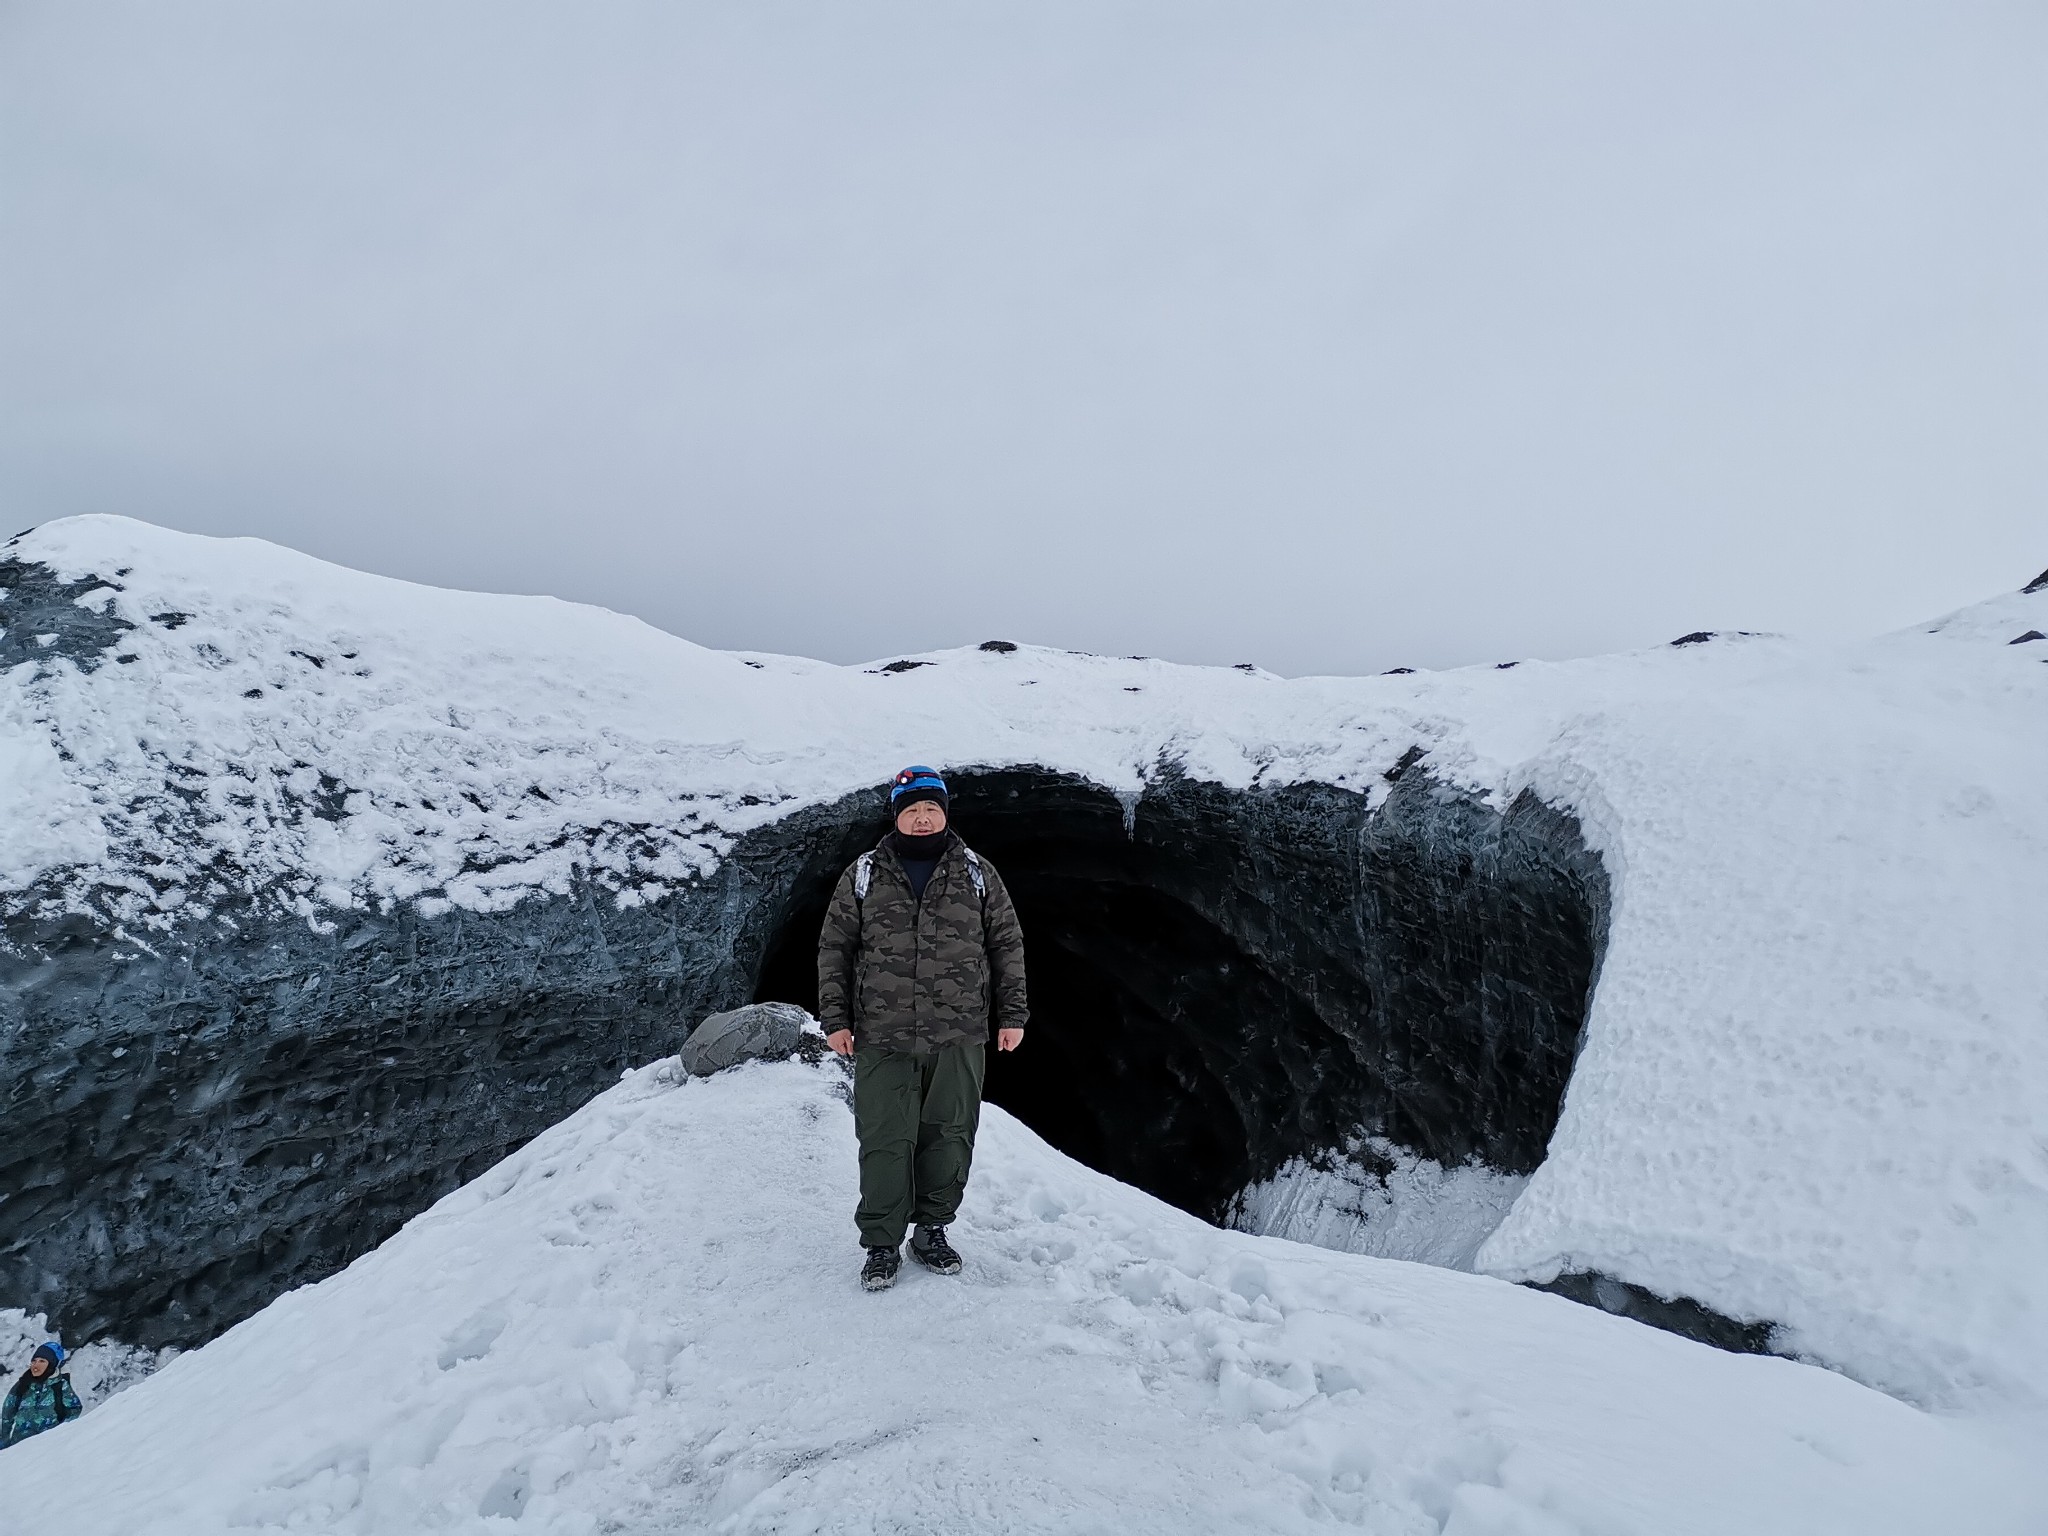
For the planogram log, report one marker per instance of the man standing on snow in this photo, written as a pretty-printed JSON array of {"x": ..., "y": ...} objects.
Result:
[{"x": 919, "y": 955}]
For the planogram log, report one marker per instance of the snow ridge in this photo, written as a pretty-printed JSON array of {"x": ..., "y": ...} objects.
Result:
[{"x": 646, "y": 1321}]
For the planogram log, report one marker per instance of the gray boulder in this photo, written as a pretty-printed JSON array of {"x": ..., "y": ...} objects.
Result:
[{"x": 757, "y": 1032}]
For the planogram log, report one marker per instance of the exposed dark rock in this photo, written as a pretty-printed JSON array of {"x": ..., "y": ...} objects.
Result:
[
  {"x": 903, "y": 666},
  {"x": 2032, "y": 634},
  {"x": 1406, "y": 761},
  {"x": 1398, "y": 672},
  {"x": 41, "y": 618},
  {"x": 1004, "y": 646},
  {"x": 757, "y": 1032},
  {"x": 1702, "y": 635},
  {"x": 2038, "y": 584},
  {"x": 1674, "y": 1314}
]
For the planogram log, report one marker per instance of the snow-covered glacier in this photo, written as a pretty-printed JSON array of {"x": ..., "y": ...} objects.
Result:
[
  {"x": 323, "y": 891},
  {"x": 644, "y": 1322}
]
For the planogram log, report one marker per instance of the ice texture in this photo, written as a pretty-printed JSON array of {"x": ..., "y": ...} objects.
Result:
[{"x": 1372, "y": 1196}]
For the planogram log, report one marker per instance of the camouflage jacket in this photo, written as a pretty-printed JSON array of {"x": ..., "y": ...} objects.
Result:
[{"x": 914, "y": 975}]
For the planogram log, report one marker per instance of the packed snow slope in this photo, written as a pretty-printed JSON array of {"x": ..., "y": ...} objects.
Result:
[
  {"x": 647, "y": 1321},
  {"x": 1813, "y": 1087}
]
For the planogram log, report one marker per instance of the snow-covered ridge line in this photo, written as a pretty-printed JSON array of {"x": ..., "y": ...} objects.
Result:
[
  {"x": 237, "y": 722},
  {"x": 1814, "y": 1080}
]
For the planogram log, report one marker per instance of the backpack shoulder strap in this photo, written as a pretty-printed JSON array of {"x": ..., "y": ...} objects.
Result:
[{"x": 864, "y": 874}]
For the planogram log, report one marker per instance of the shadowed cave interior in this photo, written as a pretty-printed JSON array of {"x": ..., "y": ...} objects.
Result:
[{"x": 1227, "y": 979}]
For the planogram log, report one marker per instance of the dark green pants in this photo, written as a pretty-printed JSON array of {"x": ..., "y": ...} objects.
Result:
[{"x": 915, "y": 1116}]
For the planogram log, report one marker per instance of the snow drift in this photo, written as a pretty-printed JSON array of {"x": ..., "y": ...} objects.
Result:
[
  {"x": 1810, "y": 1091},
  {"x": 646, "y": 1321}
]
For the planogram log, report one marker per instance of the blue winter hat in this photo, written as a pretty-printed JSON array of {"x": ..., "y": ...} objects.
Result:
[
  {"x": 52, "y": 1352},
  {"x": 916, "y": 783}
]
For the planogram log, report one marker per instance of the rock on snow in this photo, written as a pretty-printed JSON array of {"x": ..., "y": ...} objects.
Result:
[
  {"x": 759, "y": 1031},
  {"x": 644, "y": 1321}
]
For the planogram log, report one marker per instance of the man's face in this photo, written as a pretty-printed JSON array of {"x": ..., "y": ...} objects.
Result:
[{"x": 921, "y": 819}]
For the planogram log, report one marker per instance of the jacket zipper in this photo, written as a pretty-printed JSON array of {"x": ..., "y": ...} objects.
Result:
[{"x": 917, "y": 930}]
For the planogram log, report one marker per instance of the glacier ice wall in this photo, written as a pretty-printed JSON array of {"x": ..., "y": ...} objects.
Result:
[{"x": 1232, "y": 979}]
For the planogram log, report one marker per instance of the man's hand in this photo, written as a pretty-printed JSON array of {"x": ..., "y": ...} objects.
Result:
[
  {"x": 1009, "y": 1039},
  {"x": 841, "y": 1040}
]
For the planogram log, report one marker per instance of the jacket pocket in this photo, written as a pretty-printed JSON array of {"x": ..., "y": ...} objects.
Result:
[{"x": 863, "y": 977}]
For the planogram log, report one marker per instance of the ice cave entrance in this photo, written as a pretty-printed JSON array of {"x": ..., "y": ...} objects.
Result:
[{"x": 1224, "y": 980}]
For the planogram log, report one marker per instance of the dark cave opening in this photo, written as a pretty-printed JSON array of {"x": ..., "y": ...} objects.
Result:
[
  {"x": 1230, "y": 978},
  {"x": 1128, "y": 987}
]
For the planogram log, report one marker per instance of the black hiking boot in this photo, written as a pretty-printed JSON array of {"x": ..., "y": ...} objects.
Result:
[
  {"x": 879, "y": 1273},
  {"x": 930, "y": 1248}
]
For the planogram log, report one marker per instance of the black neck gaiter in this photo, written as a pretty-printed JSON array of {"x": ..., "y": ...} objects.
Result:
[
  {"x": 930, "y": 846},
  {"x": 919, "y": 856}
]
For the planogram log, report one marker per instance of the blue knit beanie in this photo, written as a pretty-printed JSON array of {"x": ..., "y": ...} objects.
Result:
[{"x": 916, "y": 783}]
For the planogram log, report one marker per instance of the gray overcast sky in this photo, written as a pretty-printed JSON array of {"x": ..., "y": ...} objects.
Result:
[{"x": 1327, "y": 336}]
